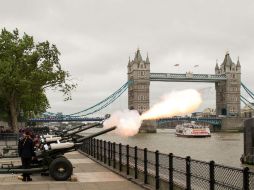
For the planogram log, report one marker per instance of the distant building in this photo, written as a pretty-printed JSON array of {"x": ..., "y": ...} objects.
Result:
[
  {"x": 197, "y": 114},
  {"x": 247, "y": 111},
  {"x": 209, "y": 112}
]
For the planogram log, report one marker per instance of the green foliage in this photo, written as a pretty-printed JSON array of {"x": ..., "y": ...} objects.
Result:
[{"x": 27, "y": 69}]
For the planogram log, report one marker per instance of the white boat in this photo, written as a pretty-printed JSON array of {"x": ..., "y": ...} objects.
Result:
[{"x": 192, "y": 130}]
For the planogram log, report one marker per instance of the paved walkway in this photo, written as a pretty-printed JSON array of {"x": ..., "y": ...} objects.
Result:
[{"x": 91, "y": 176}]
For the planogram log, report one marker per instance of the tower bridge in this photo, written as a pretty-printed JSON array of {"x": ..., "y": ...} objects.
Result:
[{"x": 227, "y": 79}]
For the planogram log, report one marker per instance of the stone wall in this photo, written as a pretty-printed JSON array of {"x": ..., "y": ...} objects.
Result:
[
  {"x": 232, "y": 123},
  {"x": 4, "y": 124}
]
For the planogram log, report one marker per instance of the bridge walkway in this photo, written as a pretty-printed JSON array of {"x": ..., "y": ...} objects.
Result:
[{"x": 90, "y": 176}]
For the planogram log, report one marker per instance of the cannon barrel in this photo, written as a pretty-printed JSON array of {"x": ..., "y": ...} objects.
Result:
[
  {"x": 73, "y": 128},
  {"x": 80, "y": 130},
  {"x": 95, "y": 134}
]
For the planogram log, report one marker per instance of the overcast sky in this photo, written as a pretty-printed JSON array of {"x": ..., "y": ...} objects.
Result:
[{"x": 96, "y": 37}]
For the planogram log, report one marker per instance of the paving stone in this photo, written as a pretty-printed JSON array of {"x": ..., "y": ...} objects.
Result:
[
  {"x": 94, "y": 167},
  {"x": 91, "y": 176},
  {"x": 81, "y": 161},
  {"x": 98, "y": 177}
]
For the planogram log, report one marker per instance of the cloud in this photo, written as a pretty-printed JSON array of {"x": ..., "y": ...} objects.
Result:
[{"x": 97, "y": 37}]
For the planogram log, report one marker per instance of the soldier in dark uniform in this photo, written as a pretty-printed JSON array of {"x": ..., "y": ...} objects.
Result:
[{"x": 26, "y": 152}]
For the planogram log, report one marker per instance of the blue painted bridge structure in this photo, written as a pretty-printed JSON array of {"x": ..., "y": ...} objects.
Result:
[
  {"x": 215, "y": 121},
  {"x": 66, "y": 119}
]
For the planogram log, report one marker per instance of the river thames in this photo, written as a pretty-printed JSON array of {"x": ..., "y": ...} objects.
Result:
[{"x": 223, "y": 148}]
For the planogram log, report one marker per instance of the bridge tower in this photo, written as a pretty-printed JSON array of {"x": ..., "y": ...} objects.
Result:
[
  {"x": 228, "y": 91},
  {"x": 138, "y": 90}
]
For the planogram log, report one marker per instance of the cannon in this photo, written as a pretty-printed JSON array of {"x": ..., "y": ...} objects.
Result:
[
  {"x": 64, "y": 137},
  {"x": 60, "y": 133},
  {"x": 51, "y": 160}
]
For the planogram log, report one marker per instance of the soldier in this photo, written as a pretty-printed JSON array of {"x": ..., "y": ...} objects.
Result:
[{"x": 26, "y": 152}]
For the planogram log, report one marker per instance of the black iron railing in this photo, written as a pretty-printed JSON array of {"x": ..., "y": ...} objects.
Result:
[
  {"x": 9, "y": 139},
  {"x": 186, "y": 173}
]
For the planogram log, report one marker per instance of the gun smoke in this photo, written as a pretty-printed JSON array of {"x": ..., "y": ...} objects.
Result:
[
  {"x": 176, "y": 103},
  {"x": 128, "y": 122}
]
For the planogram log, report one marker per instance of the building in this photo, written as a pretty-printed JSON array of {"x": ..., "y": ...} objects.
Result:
[
  {"x": 248, "y": 111},
  {"x": 209, "y": 112}
]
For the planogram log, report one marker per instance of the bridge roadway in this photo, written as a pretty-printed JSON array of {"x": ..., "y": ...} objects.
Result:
[
  {"x": 90, "y": 176},
  {"x": 209, "y": 120},
  {"x": 66, "y": 119}
]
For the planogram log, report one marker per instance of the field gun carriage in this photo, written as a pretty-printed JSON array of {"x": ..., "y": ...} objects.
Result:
[{"x": 50, "y": 155}]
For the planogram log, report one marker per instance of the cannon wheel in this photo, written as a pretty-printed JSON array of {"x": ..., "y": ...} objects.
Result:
[{"x": 60, "y": 169}]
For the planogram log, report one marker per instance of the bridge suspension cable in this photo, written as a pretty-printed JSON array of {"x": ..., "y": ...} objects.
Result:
[
  {"x": 49, "y": 114},
  {"x": 104, "y": 103},
  {"x": 245, "y": 99},
  {"x": 249, "y": 92},
  {"x": 246, "y": 102}
]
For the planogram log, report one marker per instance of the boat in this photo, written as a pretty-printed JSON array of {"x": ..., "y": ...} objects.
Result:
[{"x": 192, "y": 130}]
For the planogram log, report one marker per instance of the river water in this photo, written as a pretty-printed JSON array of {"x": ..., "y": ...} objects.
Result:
[{"x": 223, "y": 148}]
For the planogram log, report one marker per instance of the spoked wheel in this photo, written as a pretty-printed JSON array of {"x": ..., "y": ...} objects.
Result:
[{"x": 60, "y": 169}]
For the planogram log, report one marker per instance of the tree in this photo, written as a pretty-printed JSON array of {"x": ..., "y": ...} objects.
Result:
[{"x": 27, "y": 69}]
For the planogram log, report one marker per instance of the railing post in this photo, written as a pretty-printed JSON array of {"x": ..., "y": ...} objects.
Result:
[
  {"x": 145, "y": 165},
  {"x": 101, "y": 150},
  {"x": 85, "y": 146},
  {"x": 136, "y": 161},
  {"x": 246, "y": 178},
  {"x": 127, "y": 160},
  {"x": 120, "y": 157},
  {"x": 105, "y": 151},
  {"x": 97, "y": 149},
  {"x": 109, "y": 145},
  {"x": 188, "y": 173},
  {"x": 88, "y": 147},
  {"x": 94, "y": 149},
  {"x": 91, "y": 147},
  {"x": 212, "y": 179},
  {"x": 114, "y": 155},
  {"x": 157, "y": 165},
  {"x": 170, "y": 168},
  {"x": 111, "y": 151}
]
